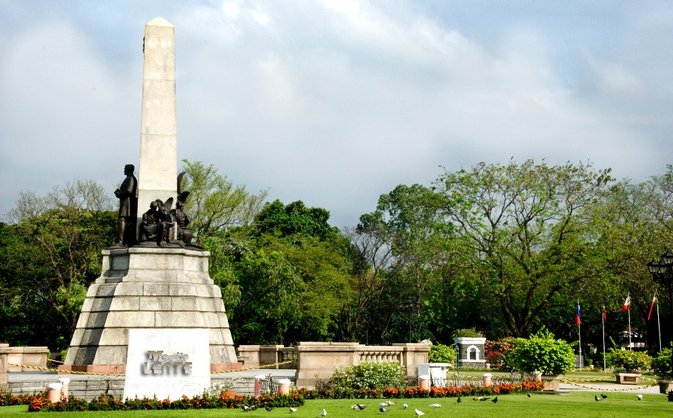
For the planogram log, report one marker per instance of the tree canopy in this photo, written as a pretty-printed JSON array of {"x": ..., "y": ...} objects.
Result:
[{"x": 507, "y": 249}]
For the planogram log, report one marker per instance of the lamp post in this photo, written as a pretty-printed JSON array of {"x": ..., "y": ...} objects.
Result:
[{"x": 662, "y": 272}]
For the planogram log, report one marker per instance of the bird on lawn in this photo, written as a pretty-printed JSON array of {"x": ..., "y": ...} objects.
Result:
[
  {"x": 268, "y": 407},
  {"x": 405, "y": 406},
  {"x": 495, "y": 400},
  {"x": 419, "y": 413},
  {"x": 603, "y": 395},
  {"x": 459, "y": 400},
  {"x": 528, "y": 394},
  {"x": 358, "y": 406},
  {"x": 484, "y": 399},
  {"x": 596, "y": 398},
  {"x": 383, "y": 409},
  {"x": 323, "y": 413},
  {"x": 640, "y": 397},
  {"x": 248, "y": 408},
  {"x": 293, "y": 409},
  {"x": 435, "y": 405}
]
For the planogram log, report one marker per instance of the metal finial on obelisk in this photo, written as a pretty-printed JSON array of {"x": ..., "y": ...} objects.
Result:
[{"x": 158, "y": 147}]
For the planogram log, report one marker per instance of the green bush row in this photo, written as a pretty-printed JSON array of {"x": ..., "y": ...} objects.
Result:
[{"x": 370, "y": 376}]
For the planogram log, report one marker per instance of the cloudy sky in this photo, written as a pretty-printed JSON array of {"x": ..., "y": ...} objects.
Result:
[{"x": 336, "y": 102}]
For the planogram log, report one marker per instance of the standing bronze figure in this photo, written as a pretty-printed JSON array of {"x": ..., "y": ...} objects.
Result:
[{"x": 128, "y": 207}]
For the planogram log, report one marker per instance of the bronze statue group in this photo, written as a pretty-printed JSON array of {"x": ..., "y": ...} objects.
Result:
[{"x": 158, "y": 224}]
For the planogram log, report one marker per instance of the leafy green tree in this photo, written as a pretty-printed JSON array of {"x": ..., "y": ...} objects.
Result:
[
  {"x": 270, "y": 302},
  {"x": 215, "y": 203},
  {"x": 287, "y": 275},
  {"x": 49, "y": 258},
  {"x": 526, "y": 229},
  {"x": 295, "y": 218},
  {"x": 409, "y": 252},
  {"x": 625, "y": 236}
]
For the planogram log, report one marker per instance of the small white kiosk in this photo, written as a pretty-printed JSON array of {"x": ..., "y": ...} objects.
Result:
[
  {"x": 436, "y": 372},
  {"x": 471, "y": 352}
]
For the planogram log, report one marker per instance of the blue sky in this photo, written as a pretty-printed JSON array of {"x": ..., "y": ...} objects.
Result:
[{"x": 337, "y": 102}]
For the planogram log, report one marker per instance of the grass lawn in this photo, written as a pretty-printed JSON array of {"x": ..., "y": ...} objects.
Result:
[{"x": 576, "y": 404}]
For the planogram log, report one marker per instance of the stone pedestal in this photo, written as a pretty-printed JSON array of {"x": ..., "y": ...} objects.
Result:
[
  {"x": 551, "y": 383},
  {"x": 146, "y": 288},
  {"x": 628, "y": 378},
  {"x": 3, "y": 367}
]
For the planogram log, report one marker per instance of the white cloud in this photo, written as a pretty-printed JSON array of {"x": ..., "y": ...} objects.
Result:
[
  {"x": 260, "y": 17},
  {"x": 231, "y": 9},
  {"x": 615, "y": 79}
]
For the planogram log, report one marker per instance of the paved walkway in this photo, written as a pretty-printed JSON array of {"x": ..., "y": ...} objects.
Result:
[{"x": 607, "y": 387}]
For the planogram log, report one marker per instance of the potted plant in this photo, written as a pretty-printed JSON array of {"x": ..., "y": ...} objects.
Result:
[
  {"x": 542, "y": 353},
  {"x": 661, "y": 365},
  {"x": 628, "y": 365}
]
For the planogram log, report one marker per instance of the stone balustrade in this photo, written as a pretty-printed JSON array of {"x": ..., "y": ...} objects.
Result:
[
  {"x": 35, "y": 357},
  {"x": 316, "y": 361}
]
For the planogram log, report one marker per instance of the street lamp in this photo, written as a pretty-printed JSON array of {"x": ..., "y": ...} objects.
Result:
[{"x": 662, "y": 272}]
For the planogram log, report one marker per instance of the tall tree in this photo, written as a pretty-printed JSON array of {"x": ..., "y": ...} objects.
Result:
[
  {"x": 527, "y": 226},
  {"x": 407, "y": 244},
  {"x": 49, "y": 258},
  {"x": 286, "y": 275},
  {"x": 215, "y": 203}
]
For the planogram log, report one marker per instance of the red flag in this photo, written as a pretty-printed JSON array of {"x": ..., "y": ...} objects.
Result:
[
  {"x": 578, "y": 315},
  {"x": 654, "y": 301},
  {"x": 604, "y": 315},
  {"x": 627, "y": 304}
]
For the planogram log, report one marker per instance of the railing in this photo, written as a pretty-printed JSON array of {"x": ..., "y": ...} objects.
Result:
[
  {"x": 381, "y": 355},
  {"x": 317, "y": 361}
]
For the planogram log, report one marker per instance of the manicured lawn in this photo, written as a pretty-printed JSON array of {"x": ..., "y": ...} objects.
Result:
[{"x": 576, "y": 404}]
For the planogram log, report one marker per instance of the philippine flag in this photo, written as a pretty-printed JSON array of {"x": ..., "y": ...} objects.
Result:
[{"x": 627, "y": 304}]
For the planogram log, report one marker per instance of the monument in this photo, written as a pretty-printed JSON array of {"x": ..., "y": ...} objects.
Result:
[{"x": 154, "y": 313}]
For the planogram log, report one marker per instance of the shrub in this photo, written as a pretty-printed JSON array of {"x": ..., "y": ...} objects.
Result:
[
  {"x": 543, "y": 353},
  {"x": 467, "y": 332},
  {"x": 628, "y": 360},
  {"x": 498, "y": 351},
  {"x": 440, "y": 353},
  {"x": 370, "y": 376},
  {"x": 661, "y": 364}
]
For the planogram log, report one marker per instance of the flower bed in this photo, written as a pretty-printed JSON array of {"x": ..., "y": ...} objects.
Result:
[
  {"x": 38, "y": 401},
  {"x": 415, "y": 392}
]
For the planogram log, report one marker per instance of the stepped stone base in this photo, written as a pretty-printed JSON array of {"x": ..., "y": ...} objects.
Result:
[{"x": 148, "y": 287}]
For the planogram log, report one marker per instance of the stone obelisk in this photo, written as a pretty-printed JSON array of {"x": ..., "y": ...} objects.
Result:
[
  {"x": 155, "y": 306},
  {"x": 158, "y": 149}
]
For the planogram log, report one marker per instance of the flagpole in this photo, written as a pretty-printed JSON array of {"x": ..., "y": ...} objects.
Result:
[
  {"x": 603, "y": 326},
  {"x": 627, "y": 308},
  {"x": 579, "y": 336},
  {"x": 659, "y": 327},
  {"x": 629, "y": 313}
]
